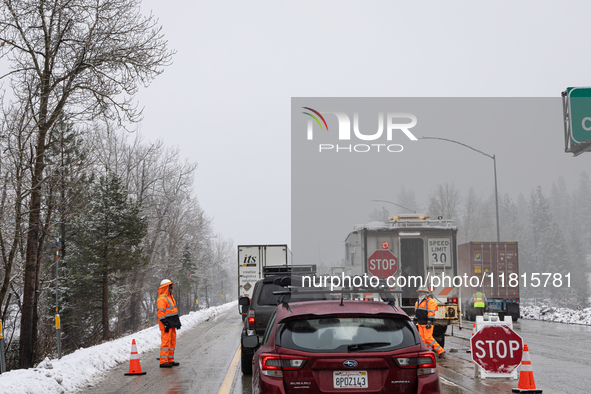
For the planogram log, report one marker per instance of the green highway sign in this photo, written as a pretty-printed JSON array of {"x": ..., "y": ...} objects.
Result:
[{"x": 577, "y": 119}]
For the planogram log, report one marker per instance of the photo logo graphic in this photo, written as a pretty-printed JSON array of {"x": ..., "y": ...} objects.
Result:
[
  {"x": 316, "y": 119},
  {"x": 392, "y": 121}
]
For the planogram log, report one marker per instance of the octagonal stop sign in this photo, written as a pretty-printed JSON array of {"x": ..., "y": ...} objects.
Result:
[
  {"x": 497, "y": 349},
  {"x": 382, "y": 263}
]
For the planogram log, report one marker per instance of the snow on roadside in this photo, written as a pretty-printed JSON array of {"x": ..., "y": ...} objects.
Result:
[
  {"x": 559, "y": 315},
  {"x": 75, "y": 371}
]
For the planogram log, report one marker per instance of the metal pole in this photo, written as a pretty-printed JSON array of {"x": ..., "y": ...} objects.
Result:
[
  {"x": 57, "y": 315},
  {"x": 2, "y": 361},
  {"x": 495, "y": 166},
  {"x": 497, "y": 200}
]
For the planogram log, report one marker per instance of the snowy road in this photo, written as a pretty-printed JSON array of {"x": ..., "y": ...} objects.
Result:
[
  {"x": 209, "y": 362},
  {"x": 205, "y": 354},
  {"x": 559, "y": 354}
]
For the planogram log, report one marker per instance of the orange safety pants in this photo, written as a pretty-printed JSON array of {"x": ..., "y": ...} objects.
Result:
[
  {"x": 167, "y": 345},
  {"x": 427, "y": 337}
]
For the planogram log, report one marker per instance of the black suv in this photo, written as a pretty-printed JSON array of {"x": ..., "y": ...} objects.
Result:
[{"x": 261, "y": 308}]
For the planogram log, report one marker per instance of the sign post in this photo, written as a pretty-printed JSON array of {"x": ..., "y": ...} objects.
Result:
[
  {"x": 2, "y": 361},
  {"x": 57, "y": 315},
  {"x": 496, "y": 349}
]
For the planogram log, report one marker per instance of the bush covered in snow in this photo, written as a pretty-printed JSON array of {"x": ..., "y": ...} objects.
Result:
[{"x": 559, "y": 315}]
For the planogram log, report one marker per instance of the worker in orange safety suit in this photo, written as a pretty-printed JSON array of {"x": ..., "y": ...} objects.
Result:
[
  {"x": 425, "y": 309},
  {"x": 169, "y": 322}
]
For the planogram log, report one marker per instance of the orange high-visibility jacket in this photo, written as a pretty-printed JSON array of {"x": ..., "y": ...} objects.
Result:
[
  {"x": 426, "y": 310},
  {"x": 166, "y": 309}
]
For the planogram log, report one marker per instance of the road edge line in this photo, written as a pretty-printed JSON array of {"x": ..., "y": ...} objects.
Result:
[{"x": 229, "y": 379}]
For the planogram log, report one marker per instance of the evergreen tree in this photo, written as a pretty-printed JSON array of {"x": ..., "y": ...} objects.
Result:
[
  {"x": 511, "y": 227},
  {"x": 576, "y": 293},
  {"x": 547, "y": 245},
  {"x": 186, "y": 281},
  {"x": 105, "y": 246},
  {"x": 582, "y": 210},
  {"x": 471, "y": 229}
]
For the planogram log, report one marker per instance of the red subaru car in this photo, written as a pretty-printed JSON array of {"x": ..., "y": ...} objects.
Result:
[{"x": 341, "y": 347}]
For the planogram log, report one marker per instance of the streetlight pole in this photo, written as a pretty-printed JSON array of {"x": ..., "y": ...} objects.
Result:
[{"x": 495, "y": 168}]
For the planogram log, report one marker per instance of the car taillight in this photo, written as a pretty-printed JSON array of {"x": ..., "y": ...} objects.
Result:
[
  {"x": 452, "y": 300},
  {"x": 274, "y": 365},
  {"x": 424, "y": 363},
  {"x": 251, "y": 318}
]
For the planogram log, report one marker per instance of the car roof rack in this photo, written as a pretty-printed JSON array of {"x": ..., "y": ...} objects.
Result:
[
  {"x": 289, "y": 269},
  {"x": 387, "y": 295}
]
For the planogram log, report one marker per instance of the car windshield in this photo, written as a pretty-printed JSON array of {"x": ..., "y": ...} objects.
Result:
[{"x": 345, "y": 334}]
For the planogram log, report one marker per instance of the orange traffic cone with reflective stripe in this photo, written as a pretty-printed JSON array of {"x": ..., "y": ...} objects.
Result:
[
  {"x": 134, "y": 362},
  {"x": 526, "y": 376}
]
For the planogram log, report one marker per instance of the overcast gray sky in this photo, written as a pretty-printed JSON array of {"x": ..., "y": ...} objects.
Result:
[{"x": 226, "y": 99}]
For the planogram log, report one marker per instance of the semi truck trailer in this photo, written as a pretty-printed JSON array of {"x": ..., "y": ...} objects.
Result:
[
  {"x": 494, "y": 264},
  {"x": 254, "y": 261}
]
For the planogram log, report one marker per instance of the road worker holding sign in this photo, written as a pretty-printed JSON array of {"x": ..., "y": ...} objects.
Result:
[
  {"x": 169, "y": 322},
  {"x": 425, "y": 309}
]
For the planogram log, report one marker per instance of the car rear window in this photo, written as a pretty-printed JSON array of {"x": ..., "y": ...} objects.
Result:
[
  {"x": 346, "y": 334},
  {"x": 267, "y": 297}
]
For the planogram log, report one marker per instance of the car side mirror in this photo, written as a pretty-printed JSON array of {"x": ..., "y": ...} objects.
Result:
[
  {"x": 250, "y": 341},
  {"x": 244, "y": 301}
]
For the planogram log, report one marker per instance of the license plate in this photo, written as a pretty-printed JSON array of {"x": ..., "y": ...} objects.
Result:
[{"x": 350, "y": 379}]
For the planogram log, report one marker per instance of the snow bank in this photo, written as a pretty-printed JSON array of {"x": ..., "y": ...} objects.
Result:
[
  {"x": 559, "y": 315},
  {"x": 77, "y": 370}
]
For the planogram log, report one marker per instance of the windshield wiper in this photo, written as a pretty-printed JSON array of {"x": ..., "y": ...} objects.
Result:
[{"x": 366, "y": 345}]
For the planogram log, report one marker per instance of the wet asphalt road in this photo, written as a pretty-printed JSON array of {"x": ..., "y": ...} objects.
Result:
[
  {"x": 561, "y": 360},
  {"x": 560, "y": 354},
  {"x": 205, "y": 354}
]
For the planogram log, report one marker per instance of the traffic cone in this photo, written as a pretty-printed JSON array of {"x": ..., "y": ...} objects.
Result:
[
  {"x": 526, "y": 376},
  {"x": 134, "y": 362}
]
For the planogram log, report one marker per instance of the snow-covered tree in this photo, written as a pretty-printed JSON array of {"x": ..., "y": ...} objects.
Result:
[
  {"x": 546, "y": 246},
  {"x": 445, "y": 201},
  {"x": 105, "y": 245}
]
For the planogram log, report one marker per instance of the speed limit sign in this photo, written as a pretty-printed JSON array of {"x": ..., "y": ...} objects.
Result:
[{"x": 439, "y": 251}]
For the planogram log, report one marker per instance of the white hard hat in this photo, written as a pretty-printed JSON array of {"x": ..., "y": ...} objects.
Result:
[
  {"x": 423, "y": 289},
  {"x": 166, "y": 282}
]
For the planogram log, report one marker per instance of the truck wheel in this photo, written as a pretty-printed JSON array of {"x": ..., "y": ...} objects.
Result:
[
  {"x": 246, "y": 362},
  {"x": 441, "y": 341},
  {"x": 514, "y": 318},
  {"x": 439, "y": 334}
]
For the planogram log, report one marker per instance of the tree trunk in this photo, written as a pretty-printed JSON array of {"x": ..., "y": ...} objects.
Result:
[
  {"x": 133, "y": 304},
  {"x": 26, "y": 342}
]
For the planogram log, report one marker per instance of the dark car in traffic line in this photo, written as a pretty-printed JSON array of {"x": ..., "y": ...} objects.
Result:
[
  {"x": 261, "y": 308},
  {"x": 345, "y": 346}
]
